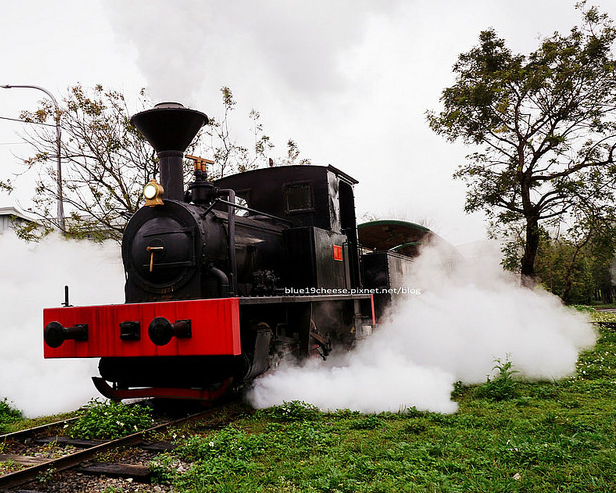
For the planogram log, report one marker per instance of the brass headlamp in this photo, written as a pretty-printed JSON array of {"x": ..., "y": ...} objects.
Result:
[{"x": 153, "y": 193}]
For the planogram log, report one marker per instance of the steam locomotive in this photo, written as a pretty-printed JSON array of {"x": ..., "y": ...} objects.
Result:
[{"x": 226, "y": 278}]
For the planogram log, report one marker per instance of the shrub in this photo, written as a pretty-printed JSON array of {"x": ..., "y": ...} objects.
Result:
[
  {"x": 163, "y": 469},
  {"x": 110, "y": 420},
  {"x": 228, "y": 442},
  {"x": 503, "y": 386},
  {"x": 8, "y": 414},
  {"x": 293, "y": 411}
]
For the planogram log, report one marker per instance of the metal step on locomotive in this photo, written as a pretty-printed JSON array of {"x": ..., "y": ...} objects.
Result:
[{"x": 227, "y": 277}]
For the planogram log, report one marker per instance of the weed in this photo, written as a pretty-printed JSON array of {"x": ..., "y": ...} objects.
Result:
[
  {"x": 345, "y": 413},
  {"x": 502, "y": 387},
  {"x": 228, "y": 442},
  {"x": 8, "y": 414},
  {"x": 51, "y": 449},
  {"x": 529, "y": 453},
  {"x": 306, "y": 436},
  {"x": 458, "y": 389},
  {"x": 46, "y": 476},
  {"x": 583, "y": 308},
  {"x": 114, "y": 455},
  {"x": 416, "y": 427},
  {"x": 370, "y": 422},
  {"x": 292, "y": 411},
  {"x": 229, "y": 453},
  {"x": 163, "y": 470},
  {"x": 110, "y": 420},
  {"x": 570, "y": 404},
  {"x": 412, "y": 412},
  {"x": 9, "y": 466}
]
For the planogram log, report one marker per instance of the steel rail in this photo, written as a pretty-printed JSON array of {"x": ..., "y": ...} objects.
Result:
[
  {"x": 20, "y": 434},
  {"x": 68, "y": 461}
]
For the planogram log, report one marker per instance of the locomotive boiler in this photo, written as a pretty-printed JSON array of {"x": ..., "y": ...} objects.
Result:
[{"x": 225, "y": 278}]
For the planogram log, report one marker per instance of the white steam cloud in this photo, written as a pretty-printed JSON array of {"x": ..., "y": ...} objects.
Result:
[
  {"x": 296, "y": 46},
  {"x": 454, "y": 330},
  {"x": 33, "y": 277}
]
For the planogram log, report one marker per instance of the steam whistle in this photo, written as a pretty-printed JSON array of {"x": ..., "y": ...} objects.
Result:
[
  {"x": 200, "y": 190},
  {"x": 200, "y": 166}
]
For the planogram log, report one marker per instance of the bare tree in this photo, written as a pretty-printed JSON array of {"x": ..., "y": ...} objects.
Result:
[
  {"x": 221, "y": 143},
  {"x": 106, "y": 162}
]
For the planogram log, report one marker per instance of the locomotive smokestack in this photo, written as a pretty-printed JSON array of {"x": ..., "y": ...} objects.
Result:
[{"x": 170, "y": 128}]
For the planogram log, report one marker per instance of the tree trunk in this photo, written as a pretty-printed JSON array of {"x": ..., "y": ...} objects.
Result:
[{"x": 530, "y": 252}]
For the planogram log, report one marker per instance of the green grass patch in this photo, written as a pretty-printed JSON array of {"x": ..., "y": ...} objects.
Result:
[
  {"x": 8, "y": 415},
  {"x": 291, "y": 411},
  {"x": 22, "y": 423},
  {"x": 509, "y": 435},
  {"x": 110, "y": 420},
  {"x": 501, "y": 387}
]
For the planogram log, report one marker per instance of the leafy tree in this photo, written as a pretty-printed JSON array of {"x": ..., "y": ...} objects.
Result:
[
  {"x": 603, "y": 250},
  {"x": 543, "y": 125},
  {"x": 575, "y": 264},
  {"x": 6, "y": 186},
  {"x": 565, "y": 268},
  {"x": 592, "y": 243},
  {"x": 106, "y": 161}
]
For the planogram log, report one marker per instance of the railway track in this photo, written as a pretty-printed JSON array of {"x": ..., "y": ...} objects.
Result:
[
  {"x": 36, "y": 467},
  {"x": 24, "y": 434}
]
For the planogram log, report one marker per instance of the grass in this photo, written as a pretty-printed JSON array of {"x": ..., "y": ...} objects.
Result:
[
  {"x": 532, "y": 444},
  {"x": 508, "y": 436},
  {"x": 98, "y": 420},
  {"x": 110, "y": 420},
  {"x": 8, "y": 415},
  {"x": 598, "y": 304},
  {"x": 26, "y": 423}
]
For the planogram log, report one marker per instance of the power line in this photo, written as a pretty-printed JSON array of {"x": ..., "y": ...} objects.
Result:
[{"x": 25, "y": 121}]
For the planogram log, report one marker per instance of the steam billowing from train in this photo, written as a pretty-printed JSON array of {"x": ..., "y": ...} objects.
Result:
[
  {"x": 453, "y": 331},
  {"x": 33, "y": 275}
]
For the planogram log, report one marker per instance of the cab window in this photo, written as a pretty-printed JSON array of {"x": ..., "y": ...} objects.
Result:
[{"x": 297, "y": 197}]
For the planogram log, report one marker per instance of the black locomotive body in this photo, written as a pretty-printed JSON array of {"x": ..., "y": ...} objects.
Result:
[{"x": 226, "y": 278}]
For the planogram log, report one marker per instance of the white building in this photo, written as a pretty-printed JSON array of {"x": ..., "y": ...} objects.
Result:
[{"x": 12, "y": 214}]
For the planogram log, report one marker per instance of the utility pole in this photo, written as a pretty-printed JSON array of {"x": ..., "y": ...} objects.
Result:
[{"x": 60, "y": 201}]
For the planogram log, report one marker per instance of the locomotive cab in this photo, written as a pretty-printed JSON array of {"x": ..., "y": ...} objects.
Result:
[
  {"x": 320, "y": 196},
  {"x": 317, "y": 204}
]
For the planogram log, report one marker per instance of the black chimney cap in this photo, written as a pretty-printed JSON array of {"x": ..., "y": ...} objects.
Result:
[{"x": 169, "y": 126}]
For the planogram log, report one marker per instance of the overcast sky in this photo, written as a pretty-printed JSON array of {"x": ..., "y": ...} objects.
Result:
[{"x": 348, "y": 80}]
